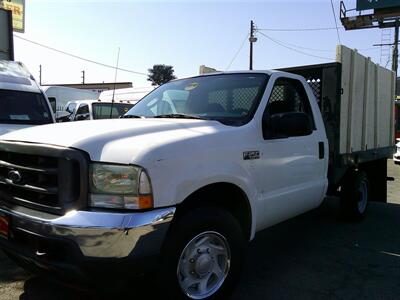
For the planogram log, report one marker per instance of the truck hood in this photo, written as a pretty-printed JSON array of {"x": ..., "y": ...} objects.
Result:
[
  {"x": 124, "y": 140},
  {"x": 6, "y": 128}
]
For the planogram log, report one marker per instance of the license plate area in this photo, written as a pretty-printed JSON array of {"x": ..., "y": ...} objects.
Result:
[{"x": 4, "y": 226}]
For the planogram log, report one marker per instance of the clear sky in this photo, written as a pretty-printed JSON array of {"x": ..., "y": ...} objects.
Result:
[{"x": 184, "y": 34}]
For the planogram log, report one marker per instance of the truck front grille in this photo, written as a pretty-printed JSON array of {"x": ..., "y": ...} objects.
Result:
[{"x": 46, "y": 178}]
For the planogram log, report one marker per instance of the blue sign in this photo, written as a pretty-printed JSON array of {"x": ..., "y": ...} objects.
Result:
[{"x": 377, "y": 4}]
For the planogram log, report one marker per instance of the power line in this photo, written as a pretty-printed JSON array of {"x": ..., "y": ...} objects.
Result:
[
  {"x": 302, "y": 47},
  {"x": 297, "y": 29},
  {"x": 237, "y": 52},
  {"x": 293, "y": 49},
  {"x": 78, "y": 57},
  {"x": 367, "y": 49},
  {"x": 319, "y": 50},
  {"x": 334, "y": 17}
]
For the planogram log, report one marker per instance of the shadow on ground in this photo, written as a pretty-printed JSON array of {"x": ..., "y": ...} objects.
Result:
[
  {"x": 312, "y": 256},
  {"x": 317, "y": 255}
]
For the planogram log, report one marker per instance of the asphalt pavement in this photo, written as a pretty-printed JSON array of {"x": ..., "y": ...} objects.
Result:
[{"x": 314, "y": 256}]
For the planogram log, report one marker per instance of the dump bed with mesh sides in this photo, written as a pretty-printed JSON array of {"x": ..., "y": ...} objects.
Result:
[{"x": 356, "y": 99}]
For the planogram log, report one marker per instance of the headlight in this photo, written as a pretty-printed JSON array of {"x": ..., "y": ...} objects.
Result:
[{"x": 117, "y": 186}]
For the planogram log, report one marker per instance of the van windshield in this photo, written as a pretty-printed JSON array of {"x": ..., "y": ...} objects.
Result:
[
  {"x": 103, "y": 110},
  {"x": 231, "y": 99},
  {"x": 18, "y": 107}
]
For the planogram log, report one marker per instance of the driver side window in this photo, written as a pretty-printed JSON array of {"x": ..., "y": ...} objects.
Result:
[{"x": 288, "y": 97}]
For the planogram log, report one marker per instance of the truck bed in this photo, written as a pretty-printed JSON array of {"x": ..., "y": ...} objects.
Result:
[{"x": 356, "y": 99}]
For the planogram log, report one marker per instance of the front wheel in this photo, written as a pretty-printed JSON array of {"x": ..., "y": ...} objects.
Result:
[{"x": 203, "y": 255}]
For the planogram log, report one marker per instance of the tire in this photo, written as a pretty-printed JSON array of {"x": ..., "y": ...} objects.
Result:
[
  {"x": 201, "y": 241},
  {"x": 355, "y": 196}
]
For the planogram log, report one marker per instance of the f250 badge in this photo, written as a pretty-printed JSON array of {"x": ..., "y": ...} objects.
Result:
[{"x": 250, "y": 155}]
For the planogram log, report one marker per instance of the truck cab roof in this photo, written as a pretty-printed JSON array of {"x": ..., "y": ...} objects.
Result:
[{"x": 15, "y": 76}]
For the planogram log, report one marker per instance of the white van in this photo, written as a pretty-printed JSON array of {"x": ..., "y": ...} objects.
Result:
[
  {"x": 62, "y": 95},
  {"x": 133, "y": 95},
  {"x": 22, "y": 102}
]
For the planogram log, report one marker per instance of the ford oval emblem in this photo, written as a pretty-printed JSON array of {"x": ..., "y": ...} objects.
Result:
[{"x": 14, "y": 176}]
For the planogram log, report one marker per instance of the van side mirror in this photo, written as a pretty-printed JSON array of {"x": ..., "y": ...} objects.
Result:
[
  {"x": 62, "y": 116},
  {"x": 289, "y": 124},
  {"x": 53, "y": 103},
  {"x": 69, "y": 109}
]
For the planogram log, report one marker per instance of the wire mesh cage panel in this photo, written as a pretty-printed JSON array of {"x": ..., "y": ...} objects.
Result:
[
  {"x": 244, "y": 98},
  {"x": 316, "y": 87},
  {"x": 237, "y": 99},
  {"x": 219, "y": 97}
]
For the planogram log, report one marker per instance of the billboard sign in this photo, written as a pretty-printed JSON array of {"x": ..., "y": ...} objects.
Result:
[
  {"x": 6, "y": 37},
  {"x": 17, "y": 8},
  {"x": 377, "y": 4}
]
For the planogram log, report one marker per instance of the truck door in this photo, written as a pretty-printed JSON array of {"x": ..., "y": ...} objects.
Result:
[{"x": 292, "y": 168}]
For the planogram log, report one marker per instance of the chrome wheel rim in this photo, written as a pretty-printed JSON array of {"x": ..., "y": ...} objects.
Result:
[
  {"x": 204, "y": 265},
  {"x": 363, "y": 200}
]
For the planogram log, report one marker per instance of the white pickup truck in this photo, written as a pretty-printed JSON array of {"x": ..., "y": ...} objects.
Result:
[
  {"x": 193, "y": 171},
  {"x": 81, "y": 110}
]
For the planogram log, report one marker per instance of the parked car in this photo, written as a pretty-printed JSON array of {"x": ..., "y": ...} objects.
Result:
[
  {"x": 61, "y": 95},
  {"x": 22, "y": 102},
  {"x": 93, "y": 110},
  {"x": 181, "y": 189},
  {"x": 396, "y": 156}
]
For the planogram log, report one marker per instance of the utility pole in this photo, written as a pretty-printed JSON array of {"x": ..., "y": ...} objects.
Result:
[
  {"x": 252, "y": 39},
  {"x": 40, "y": 74},
  {"x": 83, "y": 77},
  {"x": 395, "y": 60}
]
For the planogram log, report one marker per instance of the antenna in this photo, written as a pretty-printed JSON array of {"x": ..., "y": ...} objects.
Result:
[
  {"x": 115, "y": 83},
  {"x": 40, "y": 74}
]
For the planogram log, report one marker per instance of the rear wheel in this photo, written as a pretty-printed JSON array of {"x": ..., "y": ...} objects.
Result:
[
  {"x": 355, "y": 196},
  {"x": 203, "y": 255}
]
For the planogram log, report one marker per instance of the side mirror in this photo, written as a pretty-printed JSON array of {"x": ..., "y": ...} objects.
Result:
[
  {"x": 63, "y": 116},
  {"x": 53, "y": 103},
  {"x": 283, "y": 125},
  {"x": 69, "y": 109}
]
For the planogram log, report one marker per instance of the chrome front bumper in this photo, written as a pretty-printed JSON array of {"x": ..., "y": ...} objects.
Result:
[{"x": 96, "y": 234}]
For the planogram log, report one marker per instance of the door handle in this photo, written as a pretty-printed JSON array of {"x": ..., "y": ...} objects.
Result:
[{"x": 321, "y": 148}]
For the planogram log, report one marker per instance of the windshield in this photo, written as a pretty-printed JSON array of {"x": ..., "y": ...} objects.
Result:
[
  {"x": 18, "y": 107},
  {"x": 103, "y": 110},
  {"x": 229, "y": 98}
]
